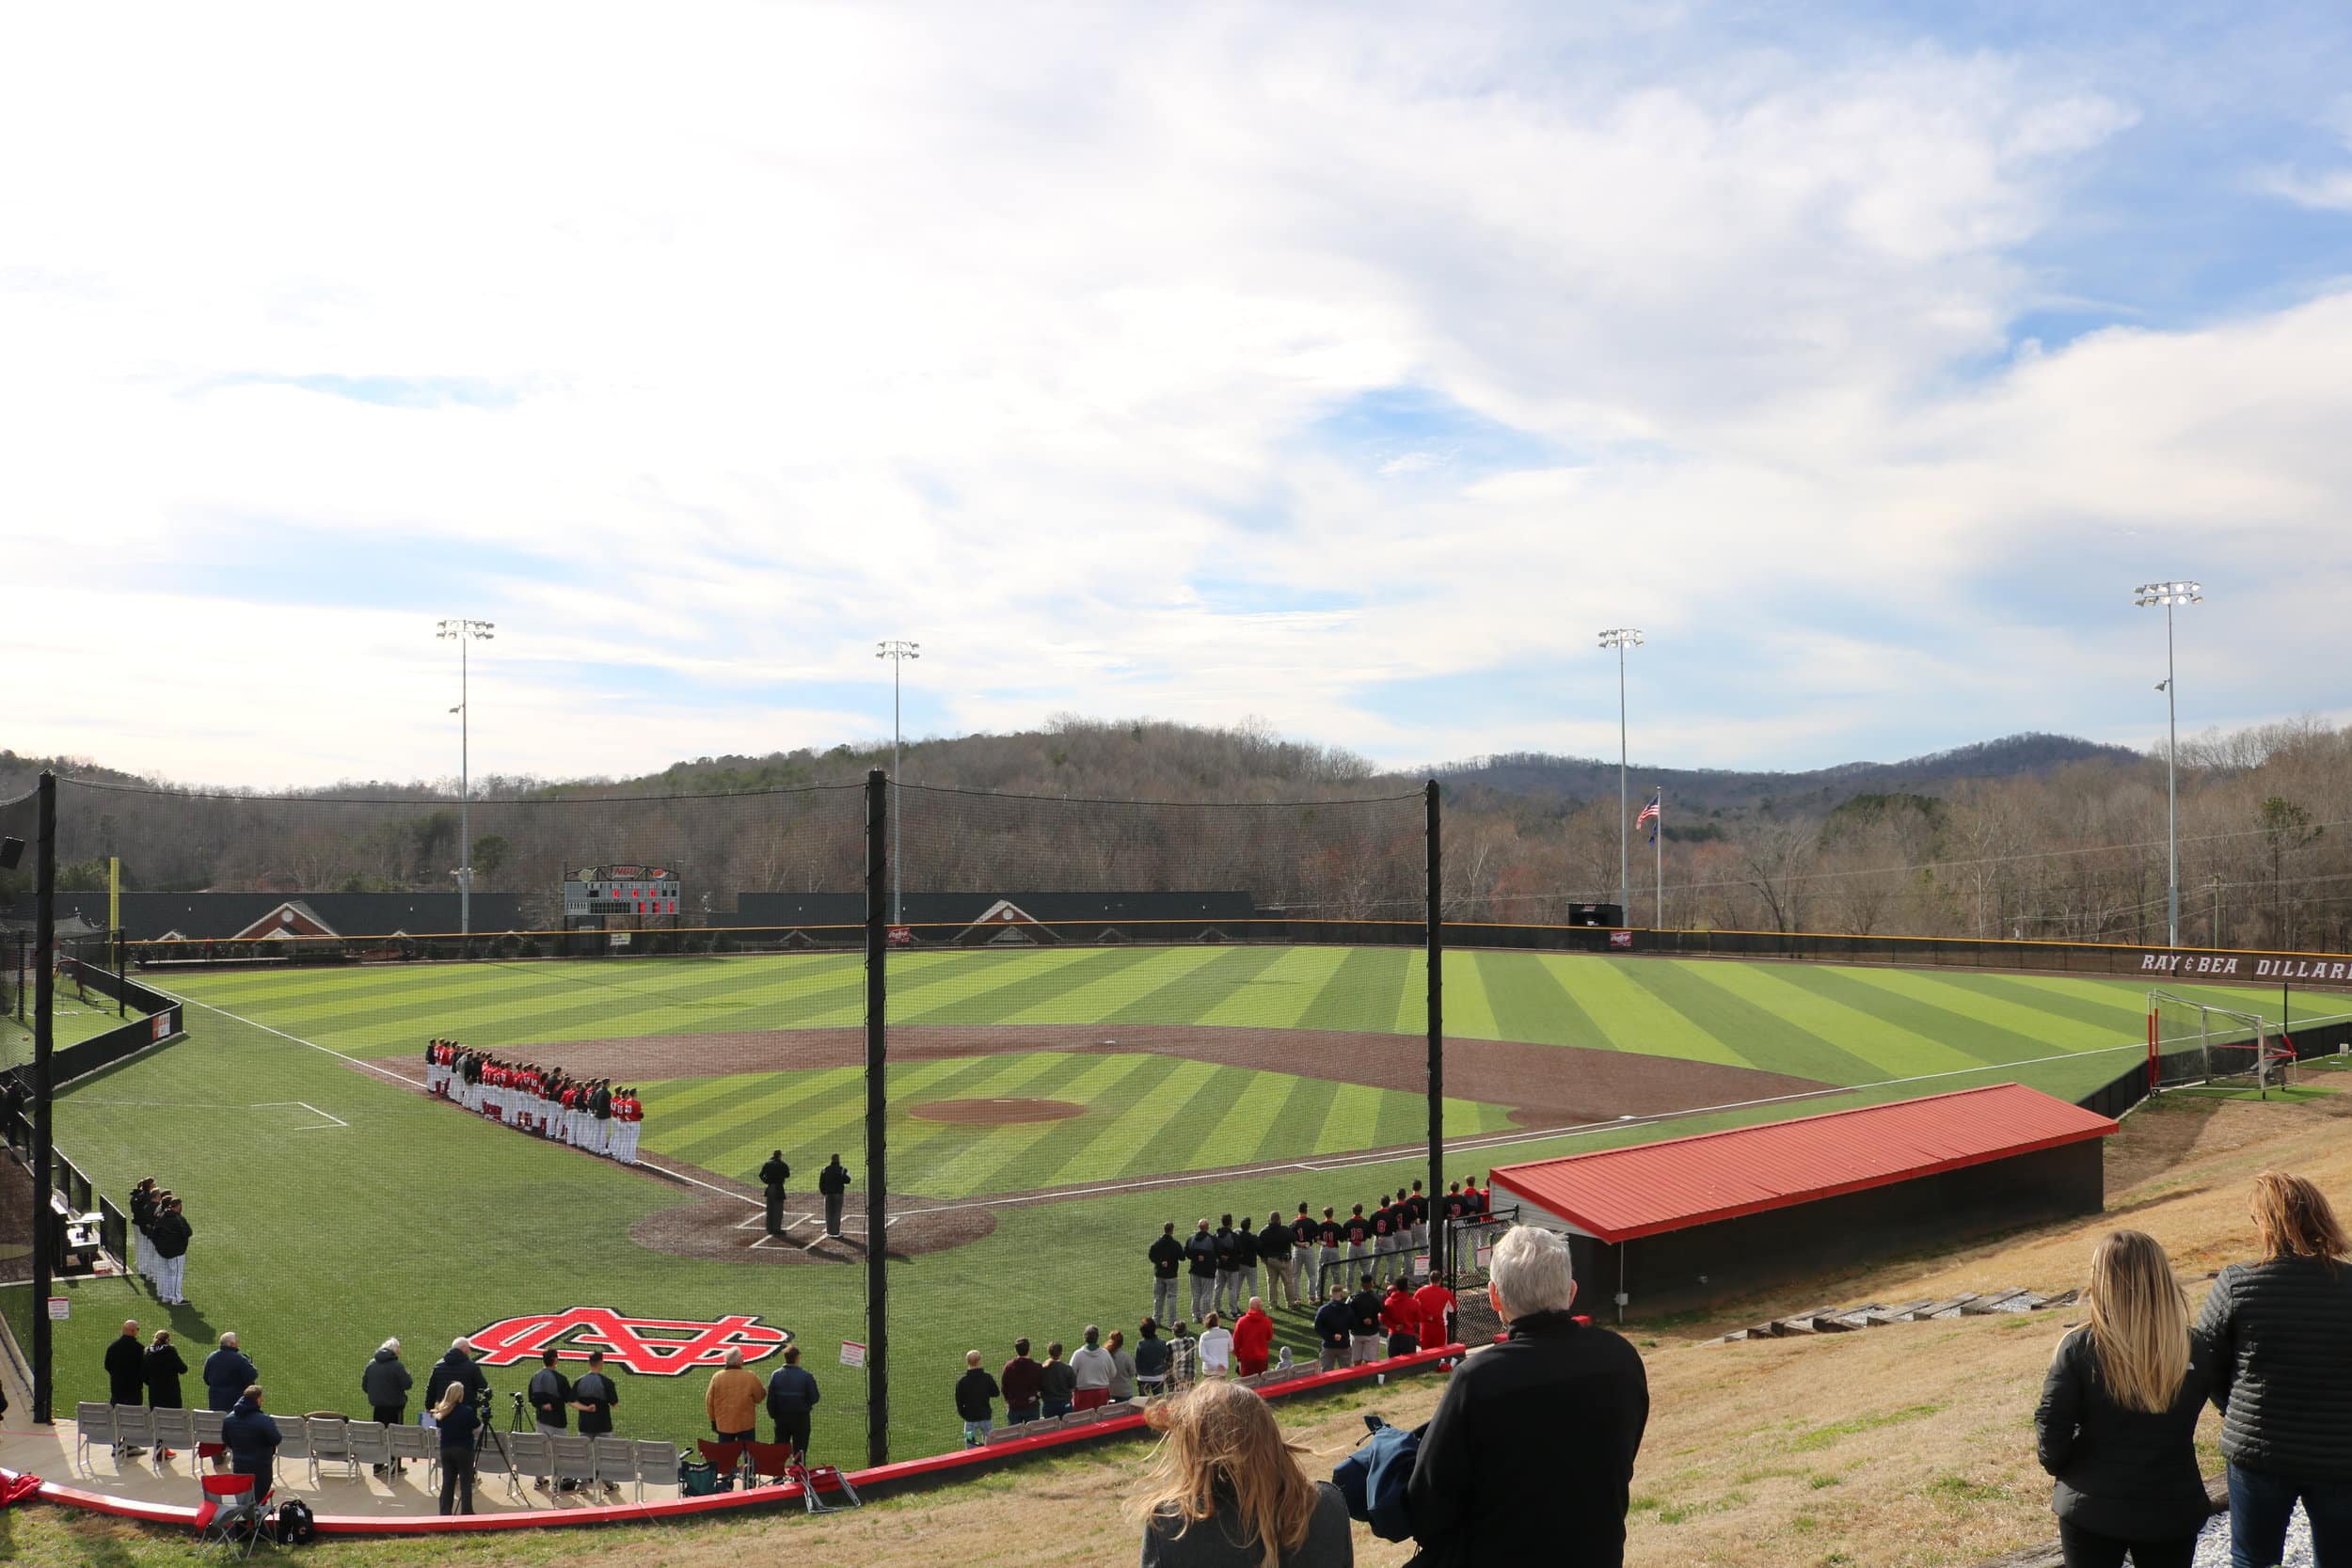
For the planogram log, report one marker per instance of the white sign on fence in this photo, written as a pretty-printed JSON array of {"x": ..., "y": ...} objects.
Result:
[
  {"x": 60, "y": 1308},
  {"x": 852, "y": 1353}
]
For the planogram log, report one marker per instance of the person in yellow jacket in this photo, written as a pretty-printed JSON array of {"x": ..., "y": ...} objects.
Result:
[{"x": 733, "y": 1401}]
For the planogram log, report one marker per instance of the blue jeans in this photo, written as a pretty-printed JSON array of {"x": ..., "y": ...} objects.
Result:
[
  {"x": 974, "y": 1433},
  {"x": 2259, "y": 1502}
]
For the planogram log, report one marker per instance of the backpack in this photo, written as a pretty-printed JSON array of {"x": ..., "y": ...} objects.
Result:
[
  {"x": 1373, "y": 1479},
  {"x": 698, "y": 1478},
  {"x": 295, "y": 1526}
]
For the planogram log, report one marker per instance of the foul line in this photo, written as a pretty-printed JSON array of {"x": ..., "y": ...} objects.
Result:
[{"x": 413, "y": 1083}]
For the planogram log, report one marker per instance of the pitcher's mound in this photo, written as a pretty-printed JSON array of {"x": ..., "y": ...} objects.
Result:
[{"x": 996, "y": 1112}]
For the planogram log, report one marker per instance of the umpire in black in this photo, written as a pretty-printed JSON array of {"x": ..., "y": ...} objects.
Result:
[
  {"x": 834, "y": 1181},
  {"x": 772, "y": 1176}
]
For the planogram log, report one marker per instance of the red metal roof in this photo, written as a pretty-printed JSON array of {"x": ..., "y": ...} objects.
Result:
[{"x": 1620, "y": 1194}]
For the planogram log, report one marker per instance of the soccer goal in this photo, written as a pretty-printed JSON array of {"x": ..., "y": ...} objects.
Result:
[{"x": 2196, "y": 1042}]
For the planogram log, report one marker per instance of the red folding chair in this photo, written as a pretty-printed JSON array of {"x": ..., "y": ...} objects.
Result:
[
  {"x": 769, "y": 1463},
  {"x": 231, "y": 1503},
  {"x": 725, "y": 1458}
]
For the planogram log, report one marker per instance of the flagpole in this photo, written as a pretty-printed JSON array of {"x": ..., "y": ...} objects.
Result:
[{"x": 1657, "y": 844}]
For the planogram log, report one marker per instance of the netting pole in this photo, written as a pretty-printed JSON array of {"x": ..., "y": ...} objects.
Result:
[
  {"x": 45, "y": 1006},
  {"x": 1433, "y": 942},
  {"x": 876, "y": 1107}
]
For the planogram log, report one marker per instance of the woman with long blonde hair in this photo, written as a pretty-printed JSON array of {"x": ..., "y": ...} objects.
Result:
[
  {"x": 2116, "y": 1425},
  {"x": 2281, "y": 1331},
  {"x": 1225, "y": 1490}
]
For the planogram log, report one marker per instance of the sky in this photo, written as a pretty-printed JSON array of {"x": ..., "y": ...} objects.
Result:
[{"x": 1345, "y": 366}]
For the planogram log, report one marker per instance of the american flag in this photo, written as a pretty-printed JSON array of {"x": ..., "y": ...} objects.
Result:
[{"x": 1650, "y": 813}]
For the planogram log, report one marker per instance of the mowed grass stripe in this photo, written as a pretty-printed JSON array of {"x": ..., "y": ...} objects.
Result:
[
  {"x": 1926, "y": 1018},
  {"x": 1163, "y": 1080},
  {"x": 766, "y": 1100},
  {"x": 2040, "y": 1032},
  {"x": 1177, "y": 1144},
  {"x": 1290, "y": 1132},
  {"x": 1802, "y": 1000},
  {"x": 913, "y": 1139},
  {"x": 1278, "y": 996},
  {"x": 993, "y": 991},
  {"x": 1768, "y": 1040},
  {"x": 1530, "y": 1004},
  {"x": 1146, "y": 973},
  {"x": 1412, "y": 999},
  {"x": 2092, "y": 1006},
  {"x": 1352, "y": 1122},
  {"x": 1006, "y": 1159},
  {"x": 1361, "y": 993},
  {"x": 1187, "y": 997},
  {"x": 689, "y": 1117},
  {"x": 1656, "y": 1010},
  {"x": 1469, "y": 1007}
]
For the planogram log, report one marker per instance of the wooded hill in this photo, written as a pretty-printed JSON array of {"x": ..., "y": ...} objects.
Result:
[{"x": 2034, "y": 836}]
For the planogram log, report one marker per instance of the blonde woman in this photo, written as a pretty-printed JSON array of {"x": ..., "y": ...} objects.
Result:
[
  {"x": 460, "y": 1428},
  {"x": 1225, "y": 1491},
  {"x": 2283, "y": 1377},
  {"x": 2117, "y": 1424}
]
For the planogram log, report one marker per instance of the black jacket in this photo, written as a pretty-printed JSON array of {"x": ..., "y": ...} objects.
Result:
[
  {"x": 1555, "y": 1412},
  {"x": 252, "y": 1438},
  {"x": 791, "y": 1391},
  {"x": 775, "y": 1173},
  {"x": 1201, "y": 1248},
  {"x": 163, "y": 1369},
  {"x": 1363, "y": 1314},
  {"x": 2283, "y": 1377},
  {"x": 2121, "y": 1472},
  {"x": 974, "y": 1389},
  {"x": 1168, "y": 1256},
  {"x": 1333, "y": 1321},
  {"x": 385, "y": 1381},
  {"x": 456, "y": 1367},
  {"x": 171, "y": 1233},
  {"x": 1274, "y": 1242},
  {"x": 834, "y": 1180},
  {"x": 1228, "y": 1244},
  {"x": 596, "y": 1390},
  {"x": 550, "y": 1396},
  {"x": 126, "y": 1371}
]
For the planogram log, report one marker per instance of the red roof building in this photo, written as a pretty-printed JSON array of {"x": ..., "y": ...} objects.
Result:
[{"x": 1690, "y": 1221}]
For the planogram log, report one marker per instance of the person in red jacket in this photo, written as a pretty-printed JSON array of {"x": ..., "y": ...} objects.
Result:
[
  {"x": 1436, "y": 1304},
  {"x": 1400, "y": 1316},
  {"x": 1253, "y": 1339}
]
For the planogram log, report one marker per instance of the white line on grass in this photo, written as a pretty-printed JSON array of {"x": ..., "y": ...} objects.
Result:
[{"x": 419, "y": 1083}]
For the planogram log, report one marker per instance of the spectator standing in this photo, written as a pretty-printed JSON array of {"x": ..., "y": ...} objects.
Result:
[
  {"x": 228, "y": 1372},
  {"x": 1122, "y": 1368},
  {"x": 1333, "y": 1323},
  {"x": 834, "y": 1181},
  {"x": 461, "y": 1428},
  {"x": 1225, "y": 1491},
  {"x": 1216, "y": 1349},
  {"x": 1253, "y": 1340},
  {"x": 1245, "y": 1258},
  {"x": 1555, "y": 1412},
  {"x": 732, "y": 1401},
  {"x": 1056, "y": 1384},
  {"x": 1153, "y": 1358},
  {"x": 126, "y": 1377},
  {"x": 1183, "y": 1358},
  {"x": 1092, "y": 1369},
  {"x": 162, "y": 1368},
  {"x": 1021, "y": 1380},
  {"x": 2116, "y": 1425},
  {"x": 458, "y": 1366},
  {"x": 792, "y": 1396},
  {"x": 773, "y": 1177},
  {"x": 1201, "y": 1257},
  {"x": 1274, "y": 1250},
  {"x": 2282, "y": 1374},
  {"x": 1228, "y": 1263},
  {"x": 171, "y": 1234},
  {"x": 1363, "y": 1323},
  {"x": 1437, "y": 1305},
  {"x": 1167, "y": 1263},
  {"x": 550, "y": 1396},
  {"x": 974, "y": 1389},
  {"x": 1400, "y": 1314},
  {"x": 383, "y": 1382},
  {"x": 252, "y": 1438}
]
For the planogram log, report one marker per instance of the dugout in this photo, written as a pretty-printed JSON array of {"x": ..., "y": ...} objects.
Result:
[{"x": 1690, "y": 1221}]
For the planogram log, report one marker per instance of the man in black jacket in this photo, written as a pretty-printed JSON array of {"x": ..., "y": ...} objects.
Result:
[
  {"x": 1555, "y": 1413},
  {"x": 172, "y": 1232},
  {"x": 126, "y": 1377},
  {"x": 1201, "y": 1258},
  {"x": 834, "y": 1181},
  {"x": 550, "y": 1397},
  {"x": 1167, "y": 1261},
  {"x": 458, "y": 1366},
  {"x": 791, "y": 1395},
  {"x": 1274, "y": 1248},
  {"x": 1333, "y": 1319},
  {"x": 1363, "y": 1321},
  {"x": 772, "y": 1176}
]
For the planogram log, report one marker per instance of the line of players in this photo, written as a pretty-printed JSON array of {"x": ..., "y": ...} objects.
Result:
[
  {"x": 1315, "y": 1253},
  {"x": 585, "y": 1113}
]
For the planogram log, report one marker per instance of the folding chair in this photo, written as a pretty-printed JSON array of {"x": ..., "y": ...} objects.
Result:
[
  {"x": 233, "y": 1514},
  {"x": 135, "y": 1427},
  {"x": 656, "y": 1463},
  {"x": 617, "y": 1466},
  {"x": 725, "y": 1458},
  {"x": 422, "y": 1444},
  {"x": 208, "y": 1439},
  {"x": 293, "y": 1435},
  {"x": 92, "y": 1423},
  {"x": 531, "y": 1458},
  {"x": 770, "y": 1461},
  {"x": 174, "y": 1430},
  {"x": 814, "y": 1478},
  {"x": 369, "y": 1445},
  {"x": 330, "y": 1444},
  {"x": 574, "y": 1459}
]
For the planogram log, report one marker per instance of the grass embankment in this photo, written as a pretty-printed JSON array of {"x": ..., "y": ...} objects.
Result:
[{"x": 1907, "y": 1446}]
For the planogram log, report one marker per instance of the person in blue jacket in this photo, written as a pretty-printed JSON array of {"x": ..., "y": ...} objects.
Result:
[
  {"x": 228, "y": 1374},
  {"x": 252, "y": 1438}
]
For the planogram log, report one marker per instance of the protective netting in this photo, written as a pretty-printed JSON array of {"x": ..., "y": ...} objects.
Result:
[
  {"x": 1108, "y": 1019},
  {"x": 2191, "y": 1042},
  {"x": 18, "y": 823},
  {"x": 344, "y": 1187}
]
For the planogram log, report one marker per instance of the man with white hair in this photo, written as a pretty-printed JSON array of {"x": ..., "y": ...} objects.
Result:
[{"x": 1530, "y": 1456}]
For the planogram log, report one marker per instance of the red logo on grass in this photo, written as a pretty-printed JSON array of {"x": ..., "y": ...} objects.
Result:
[{"x": 655, "y": 1346}]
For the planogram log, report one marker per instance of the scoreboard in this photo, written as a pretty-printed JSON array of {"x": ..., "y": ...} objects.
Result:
[{"x": 632, "y": 891}]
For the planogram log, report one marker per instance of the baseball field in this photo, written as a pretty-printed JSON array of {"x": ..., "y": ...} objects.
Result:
[{"x": 1049, "y": 1109}]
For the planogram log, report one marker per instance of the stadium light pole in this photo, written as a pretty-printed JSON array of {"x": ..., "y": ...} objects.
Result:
[
  {"x": 463, "y": 631},
  {"x": 2169, "y": 594},
  {"x": 898, "y": 650},
  {"x": 1621, "y": 637}
]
